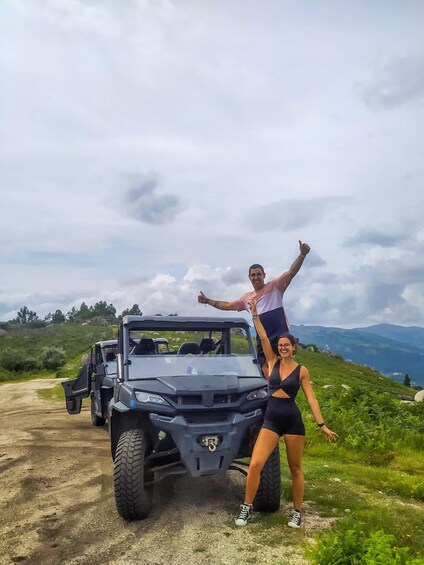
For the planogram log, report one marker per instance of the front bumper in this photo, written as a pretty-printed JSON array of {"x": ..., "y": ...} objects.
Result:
[{"x": 198, "y": 459}]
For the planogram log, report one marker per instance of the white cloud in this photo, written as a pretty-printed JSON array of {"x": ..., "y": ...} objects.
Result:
[
  {"x": 251, "y": 127},
  {"x": 399, "y": 82}
]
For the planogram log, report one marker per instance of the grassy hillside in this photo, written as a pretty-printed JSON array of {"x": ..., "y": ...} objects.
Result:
[
  {"x": 73, "y": 339},
  {"x": 371, "y": 481},
  {"x": 330, "y": 370}
]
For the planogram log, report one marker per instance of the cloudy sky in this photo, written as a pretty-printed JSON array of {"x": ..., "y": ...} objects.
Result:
[{"x": 150, "y": 150}]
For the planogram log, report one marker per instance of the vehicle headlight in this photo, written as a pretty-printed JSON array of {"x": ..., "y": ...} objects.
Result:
[
  {"x": 149, "y": 397},
  {"x": 257, "y": 394}
]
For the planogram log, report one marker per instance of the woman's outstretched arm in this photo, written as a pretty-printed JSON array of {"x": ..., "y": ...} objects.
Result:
[
  {"x": 305, "y": 383},
  {"x": 270, "y": 356}
]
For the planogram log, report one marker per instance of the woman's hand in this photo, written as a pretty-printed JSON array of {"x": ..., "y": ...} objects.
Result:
[
  {"x": 329, "y": 435},
  {"x": 253, "y": 310}
]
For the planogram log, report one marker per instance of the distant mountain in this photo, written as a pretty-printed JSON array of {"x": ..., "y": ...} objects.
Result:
[
  {"x": 391, "y": 350},
  {"x": 413, "y": 335}
]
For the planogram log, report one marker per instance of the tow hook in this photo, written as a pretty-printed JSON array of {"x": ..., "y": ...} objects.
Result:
[{"x": 211, "y": 442}]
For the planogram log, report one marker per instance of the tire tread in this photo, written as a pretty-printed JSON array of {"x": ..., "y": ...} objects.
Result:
[
  {"x": 133, "y": 499},
  {"x": 269, "y": 492}
]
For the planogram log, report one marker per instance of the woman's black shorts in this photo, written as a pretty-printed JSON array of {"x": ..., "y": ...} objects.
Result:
[{"x": 282, "y": 416}]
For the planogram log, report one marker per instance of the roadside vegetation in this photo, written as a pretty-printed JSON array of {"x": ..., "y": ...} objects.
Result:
[
  {"x": 33, "y": 347},
  {"x": 367, "y": 489},
  {"x": 370, "y": 483}
]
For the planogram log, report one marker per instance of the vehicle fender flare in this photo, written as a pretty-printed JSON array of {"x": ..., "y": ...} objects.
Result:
[{"x": 123, "y": 421}]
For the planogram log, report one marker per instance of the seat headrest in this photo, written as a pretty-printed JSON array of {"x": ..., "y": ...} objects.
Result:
[
  {"x": 207, "y": 345},
  {"x": 189, "y": 347},
  {"x": 145, "y": 346}
]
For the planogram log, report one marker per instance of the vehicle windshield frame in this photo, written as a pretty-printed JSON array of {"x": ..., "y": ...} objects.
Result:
[
  {"x": 156, "y": 366},
  {"x": 129, "y": 365}
]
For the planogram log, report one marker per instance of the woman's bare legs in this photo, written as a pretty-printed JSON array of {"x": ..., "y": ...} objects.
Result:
[
  {"x": 264, "y": 446},
  {"x": 294, "y": 450}
]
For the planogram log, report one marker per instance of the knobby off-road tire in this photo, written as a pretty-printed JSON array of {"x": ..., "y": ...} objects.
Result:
[
  {"x": 96, "y": 420},
  {"x": 269, "y": 492},
  {"x": 133, "y": 498}
]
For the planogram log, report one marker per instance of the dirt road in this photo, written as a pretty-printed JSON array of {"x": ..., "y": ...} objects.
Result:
[{"x": 57, "y": 503}]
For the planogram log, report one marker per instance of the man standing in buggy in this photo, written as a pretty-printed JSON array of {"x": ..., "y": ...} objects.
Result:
[{"x": 268, "y": 297}]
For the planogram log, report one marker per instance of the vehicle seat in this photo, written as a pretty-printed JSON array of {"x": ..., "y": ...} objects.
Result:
[
  {"x": 207, "y": 344},
  {"x": 145, "y": 346},
  {"x": 189, "y": 347},
  {"x": 110, "y": 356}
]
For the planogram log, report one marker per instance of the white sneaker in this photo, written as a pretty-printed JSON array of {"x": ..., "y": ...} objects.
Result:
[
  {"x": 245, "y": 515},
  {"x": 296, "y": 519}
]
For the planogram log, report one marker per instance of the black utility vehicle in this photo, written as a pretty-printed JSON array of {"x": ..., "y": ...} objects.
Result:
[{"x": 192, "y": 407}]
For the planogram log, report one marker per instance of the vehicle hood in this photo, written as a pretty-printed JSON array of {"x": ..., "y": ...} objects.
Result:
[
  {"x": 201, "y": 383},
  {"x": 198, "y": 384}
]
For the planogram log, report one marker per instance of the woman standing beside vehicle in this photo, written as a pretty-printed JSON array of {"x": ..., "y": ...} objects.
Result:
[{"x": 282, "y": 418}]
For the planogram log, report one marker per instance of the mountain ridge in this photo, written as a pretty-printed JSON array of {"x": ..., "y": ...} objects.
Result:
[{"x": 392, "y": 350}]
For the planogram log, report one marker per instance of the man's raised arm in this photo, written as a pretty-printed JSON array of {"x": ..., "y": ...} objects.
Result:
[
  {"x": 219, "y": 304},
  {"x": 298, "y": 262}
]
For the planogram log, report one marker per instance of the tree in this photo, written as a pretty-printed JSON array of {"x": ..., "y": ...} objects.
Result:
[
  {"x": 100, "y": 310},
  {"x": 133, "y": 311},
  {"x": 57, "y": 318},
  {"x": 103, "y": 310},
  {"x": 84, "y": 313},
  {"x": 72, "y": 314},
  {"x": 25, "y": 316},
  {"x": 407, "y": 380}
]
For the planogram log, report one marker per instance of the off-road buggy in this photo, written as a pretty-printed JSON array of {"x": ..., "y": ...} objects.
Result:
[
  {"x": 194, "y": 407},
  {"x": 96, "y": 379}
]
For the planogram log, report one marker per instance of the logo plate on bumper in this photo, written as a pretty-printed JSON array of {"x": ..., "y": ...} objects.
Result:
[{"x": 211, "y": 442}]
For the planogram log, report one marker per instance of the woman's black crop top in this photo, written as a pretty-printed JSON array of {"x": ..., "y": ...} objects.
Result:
[{"x": 290, "y": 385}]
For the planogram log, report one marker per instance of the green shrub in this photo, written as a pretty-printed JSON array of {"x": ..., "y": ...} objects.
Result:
[
  {"x": 37, "y": 324},
  {"x": 354, "y": 547},
  {"x": 30, "y": 364},
  {"x": 373, "y": 424},
  {"x": 18, "y": 362},
  {"x": 52, "y": 358}
]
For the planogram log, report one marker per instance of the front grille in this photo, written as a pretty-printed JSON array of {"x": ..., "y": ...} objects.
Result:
[
  {"x": 225, "y": 398},
  {"x": 205, "y": 417},
  {"x": 193, "y": 399}
]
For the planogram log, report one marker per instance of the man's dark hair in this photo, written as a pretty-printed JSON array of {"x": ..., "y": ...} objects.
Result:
[{"x": 256, "y": 266}]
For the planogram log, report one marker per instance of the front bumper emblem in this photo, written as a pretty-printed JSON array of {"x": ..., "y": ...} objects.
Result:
[{"x": 211, "y": 442}]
